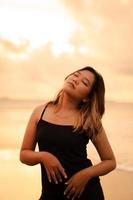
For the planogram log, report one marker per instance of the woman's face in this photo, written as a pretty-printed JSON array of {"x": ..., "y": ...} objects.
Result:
[{"x": 79, "y": 84}]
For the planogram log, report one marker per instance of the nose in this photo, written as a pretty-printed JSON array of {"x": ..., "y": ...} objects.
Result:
[{"x": 75, "y": 80}]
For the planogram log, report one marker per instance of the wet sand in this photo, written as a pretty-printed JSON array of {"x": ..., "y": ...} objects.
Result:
[
  {"x": 24, "y": 183},
  {"x": 117, "y": 185}
]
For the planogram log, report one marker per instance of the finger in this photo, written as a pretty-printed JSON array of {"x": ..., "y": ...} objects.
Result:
[
  {"x": 54, "y": 177},
  {"x": 80, "y": 193},
  {"x": 58, "y": 175},
  {"x": 62, "y": 171},
  {"x": 71, "y": 193},
  {"x": 75, "y": 195},
  {"x": 48, "y": 175},
  {"x": 68, "y": 188}
]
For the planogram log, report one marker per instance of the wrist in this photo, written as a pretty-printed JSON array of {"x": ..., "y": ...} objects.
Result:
[
  {"x": 89, "y": 173},
  {"x": 41, "y": 156}
]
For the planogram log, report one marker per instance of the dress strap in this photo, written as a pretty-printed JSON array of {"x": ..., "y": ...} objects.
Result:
[{"x": 43, "y": 111}]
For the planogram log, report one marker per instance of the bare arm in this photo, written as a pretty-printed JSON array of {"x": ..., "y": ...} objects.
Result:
[
  {"x": 76, "y": 184},
  {"x": 108, "y": 162},
  {"x": 27, "y": 153},
  {"x": 29, "y": 156}
]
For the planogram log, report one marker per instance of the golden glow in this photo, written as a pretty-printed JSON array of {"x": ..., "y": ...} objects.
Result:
[
  {"x": 62, "y": 47},
  {"x": 14, "y": 56},
  {"x": 38, "y": 26},
  {"x": 31, "y": 29},
  {"x": 6, "y": 154},
  {"x": 124, "y": 1},
  {"x": 84, "y": 50}
]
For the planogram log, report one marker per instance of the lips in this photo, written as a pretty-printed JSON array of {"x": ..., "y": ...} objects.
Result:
[{"x": 72, "y": 84}]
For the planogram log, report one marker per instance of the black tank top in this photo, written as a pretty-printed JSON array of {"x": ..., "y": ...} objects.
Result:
[{"x": 68, "y": 146}]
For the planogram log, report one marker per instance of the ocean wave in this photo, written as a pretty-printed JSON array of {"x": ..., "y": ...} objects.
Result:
[{"x": 125, "y": 167}]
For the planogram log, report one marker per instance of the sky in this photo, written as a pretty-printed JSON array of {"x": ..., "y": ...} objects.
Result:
[{"x": 41, "y": 41}]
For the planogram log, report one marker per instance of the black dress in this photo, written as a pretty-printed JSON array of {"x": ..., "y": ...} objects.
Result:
[{"x": 70, "y": 149}]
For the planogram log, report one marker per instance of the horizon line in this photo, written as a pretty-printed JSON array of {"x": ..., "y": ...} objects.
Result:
[{"x": 48, "y": 99}]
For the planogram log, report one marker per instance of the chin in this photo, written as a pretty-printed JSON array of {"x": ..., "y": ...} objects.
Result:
[{"x": 68, "y": 90}]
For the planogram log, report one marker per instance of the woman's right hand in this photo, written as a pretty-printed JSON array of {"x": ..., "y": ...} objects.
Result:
[{"x": 53, "y": 167}]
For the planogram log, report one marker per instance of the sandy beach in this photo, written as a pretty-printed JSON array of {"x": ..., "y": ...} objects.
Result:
[
  {"x": 24, "y": 183},
  {"x": 21, "y": 182},
  {"x": 117, "y": 185}
]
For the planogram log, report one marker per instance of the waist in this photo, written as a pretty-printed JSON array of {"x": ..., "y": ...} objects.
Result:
[{"x": 71, "y": 166}]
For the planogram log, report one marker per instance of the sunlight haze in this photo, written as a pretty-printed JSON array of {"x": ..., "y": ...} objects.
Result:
[{"x": 42, "y": 41}]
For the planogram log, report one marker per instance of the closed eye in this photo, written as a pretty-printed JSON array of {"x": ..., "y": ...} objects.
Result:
[
  {"x": 85, "y": 81},
  {"x": 86, "y": 84},
  {"x": 76, "y": 75}
]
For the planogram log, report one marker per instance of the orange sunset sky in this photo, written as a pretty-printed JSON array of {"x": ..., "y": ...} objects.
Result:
[{"x": 41, "y": 41}]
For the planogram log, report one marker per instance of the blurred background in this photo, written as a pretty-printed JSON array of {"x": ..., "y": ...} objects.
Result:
[{"x": 41, "y": 41}]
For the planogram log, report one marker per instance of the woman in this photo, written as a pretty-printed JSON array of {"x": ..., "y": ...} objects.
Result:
[{"x": 62, "y": 128}]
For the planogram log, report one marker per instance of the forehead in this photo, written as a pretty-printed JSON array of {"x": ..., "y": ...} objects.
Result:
[{"x": 87, "y": 74}]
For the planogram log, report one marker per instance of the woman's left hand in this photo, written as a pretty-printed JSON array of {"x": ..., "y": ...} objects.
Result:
[{"x": 76, "y": 184}]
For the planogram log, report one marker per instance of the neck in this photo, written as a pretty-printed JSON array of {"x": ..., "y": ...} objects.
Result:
[{"x": 67, "y": 103}]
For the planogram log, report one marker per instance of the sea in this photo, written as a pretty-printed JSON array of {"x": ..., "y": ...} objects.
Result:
[{"x": 16, "y": 177}]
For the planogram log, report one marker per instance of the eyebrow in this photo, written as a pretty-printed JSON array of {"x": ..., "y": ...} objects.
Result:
[{"x": 85, "y": 78}]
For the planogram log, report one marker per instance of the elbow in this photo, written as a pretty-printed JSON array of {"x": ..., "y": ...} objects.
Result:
[
  {"x": 26, "y": 157},
  {"x": 21, "y": 157},
  {"x": 113, "y": 164}
]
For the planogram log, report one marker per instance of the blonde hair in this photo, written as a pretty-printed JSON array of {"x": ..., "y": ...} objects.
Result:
[{"x": 90, "y": 112}]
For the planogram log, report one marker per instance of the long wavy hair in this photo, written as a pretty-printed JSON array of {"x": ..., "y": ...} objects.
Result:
[{"x": 91, "y": 111}]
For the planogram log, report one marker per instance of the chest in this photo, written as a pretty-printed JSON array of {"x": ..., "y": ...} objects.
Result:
[
  {"x": 62, "y": 117},
  {"x": 59, "y": 137}
]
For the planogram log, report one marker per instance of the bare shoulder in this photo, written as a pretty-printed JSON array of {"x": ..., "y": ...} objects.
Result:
[
  {"x": 37, "y": 111},
  {"x": 102, "y": 134}
]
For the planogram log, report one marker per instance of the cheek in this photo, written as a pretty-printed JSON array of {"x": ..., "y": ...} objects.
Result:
[{"x": 83, "y": 91}]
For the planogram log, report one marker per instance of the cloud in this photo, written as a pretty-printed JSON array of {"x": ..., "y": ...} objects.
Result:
[
  {"x": 42, "y": 72},
  {"x": 106, "y": 28},
  {"x": 12, "y": 47}
]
